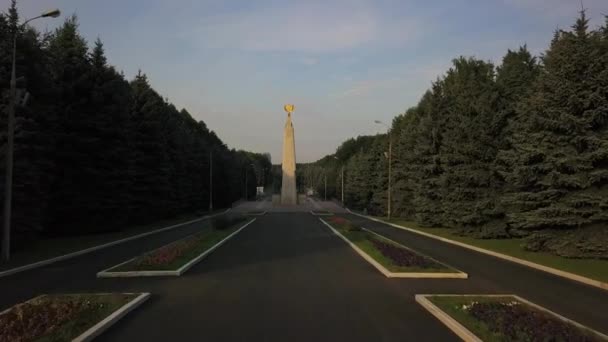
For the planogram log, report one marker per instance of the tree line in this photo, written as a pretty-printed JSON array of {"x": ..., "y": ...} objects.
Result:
[
  {"x": 518, "y": 149},
  {"x": 95, "y": 152}
]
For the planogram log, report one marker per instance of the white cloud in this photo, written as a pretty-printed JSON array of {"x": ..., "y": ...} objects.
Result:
[
  {"x": 312, "y": 27},
  {"x": 309, "y": 61},
  {"x": 393, "y": 76},
  {"x": 362, "y": 88}
]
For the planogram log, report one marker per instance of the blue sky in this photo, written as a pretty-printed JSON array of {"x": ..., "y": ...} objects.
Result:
[{"x": 343, "y": 64}]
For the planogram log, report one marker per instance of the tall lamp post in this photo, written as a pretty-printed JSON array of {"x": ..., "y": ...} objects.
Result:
[
  {"x": 325, "y": 182},
  {"x": 390, "y": 166},
  {"x": 341, "y": 180},
  {"x": 8, "y": 196},
  {"x": 210, "y": 181}
]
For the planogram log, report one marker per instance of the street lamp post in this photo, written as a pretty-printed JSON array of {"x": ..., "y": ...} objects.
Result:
[
  {"x": 210, "y": 181},
  {"x": 8, "y": 196},
  {"x": 341, "y": 180},
  {"x": 325, "y": 181},
  {"x": 390, "y": 166}
]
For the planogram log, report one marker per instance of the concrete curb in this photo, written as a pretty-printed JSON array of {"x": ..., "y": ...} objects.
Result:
[
  {"x": 27, "y": 301},
  {"x": 457, "y": 328},
  {"x": 554, "y": 271},
  {"x": 127, "y": 274},
  {"x": 467, "y": 335},
  {"x": 105, "y": 324},
  {"x": 96, "y": 248},
  {"x": 389, "y": 274}
]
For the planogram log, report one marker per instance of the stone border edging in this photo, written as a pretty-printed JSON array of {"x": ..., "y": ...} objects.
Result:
[
  {"x": 457, "y": 328},
  {"x": 389, "y": 274},
  {"x": 554, "y": 271},
  {"x": 98, "y": 247},
  {"x": 127, "y": 274},
  {"x": 466, "y": 334},
  {"x": 107, "y": 322}
]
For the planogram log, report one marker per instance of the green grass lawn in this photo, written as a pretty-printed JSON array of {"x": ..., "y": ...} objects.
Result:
[
  {"x": 92, "y": 308},
  {"x": 204, "y": 241},
  {"x": 362, "y": 240},
  {"x": 591, "y": 268},
  {"x": 52, "y": 247}
]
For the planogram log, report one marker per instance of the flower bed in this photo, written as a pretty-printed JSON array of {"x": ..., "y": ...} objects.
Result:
[
  {"x": 401, "y": 256},
  {"x": 391, "y": 255},
  {"x": 58, "y": 317},
  {"x": 166, "y": 255},
  {"x": 172, "y": 258},
  {"x": 510, "y": 318}
]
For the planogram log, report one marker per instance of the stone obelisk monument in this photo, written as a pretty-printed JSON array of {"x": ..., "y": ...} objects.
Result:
[{"x": 289, "y": 194}]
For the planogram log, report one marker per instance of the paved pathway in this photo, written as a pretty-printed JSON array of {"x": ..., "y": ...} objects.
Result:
[
  {"x": 286, "y": 277},
  {"x": 493, "y": 275}
]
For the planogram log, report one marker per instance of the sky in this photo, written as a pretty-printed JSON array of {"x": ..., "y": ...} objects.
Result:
[{"x": 344, "y": 63}]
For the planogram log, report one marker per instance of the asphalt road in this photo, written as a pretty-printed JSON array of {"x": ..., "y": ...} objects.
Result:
[
  {"x": 286, "y": 277},
  {"x": 586, "y": 304}
]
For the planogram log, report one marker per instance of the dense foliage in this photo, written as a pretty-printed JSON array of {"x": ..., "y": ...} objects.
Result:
[
  {"x": 95, "y": 152},
  {"x": 519, "y": 149}
]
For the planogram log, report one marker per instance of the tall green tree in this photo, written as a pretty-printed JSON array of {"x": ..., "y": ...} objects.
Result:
[
  {"x": 467, "y": 151},
  {"x": 560, "y": 151},
  {"x": 72, "y": 195},
  {"x": 150, "y": 163}
]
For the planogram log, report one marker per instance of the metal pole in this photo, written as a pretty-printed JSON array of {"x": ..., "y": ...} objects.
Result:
[
  {"x": 245, "y": 183},
  {"x": 325, "y": 179},
  {"x": 6, "y": 233},
  {"x": 210, "y": 181},
  {"x": 390, "y": 159},
  {"x": 342, "y": 187}
]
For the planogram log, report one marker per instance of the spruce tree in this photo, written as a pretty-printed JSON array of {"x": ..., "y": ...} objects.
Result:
[
  {"x": 150, "y": 164},
  {"x": 426, "y": 165},
  {"x": 404, "y": 180},
  {"x": 560, "y": 155},
  {"x": 109, "y": 103},
  {"x": 73, "y": 199}
]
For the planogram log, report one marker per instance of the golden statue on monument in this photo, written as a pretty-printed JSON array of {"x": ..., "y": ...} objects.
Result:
[{"x": 289, "y": 108}]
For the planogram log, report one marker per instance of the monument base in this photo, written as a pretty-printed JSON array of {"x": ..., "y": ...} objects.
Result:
[{"x": 277, "y": 201}]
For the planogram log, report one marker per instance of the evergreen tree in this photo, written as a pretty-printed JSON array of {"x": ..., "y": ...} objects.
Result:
[
  {"x": 404, "y": 180},
  {"x": 560, "y": 153},
  {"x": 108, "y": 146},
  {"x": 150, "y": 169},
  {"x": 467, "y": 150},
  {"x": 426, "y": 164}
]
